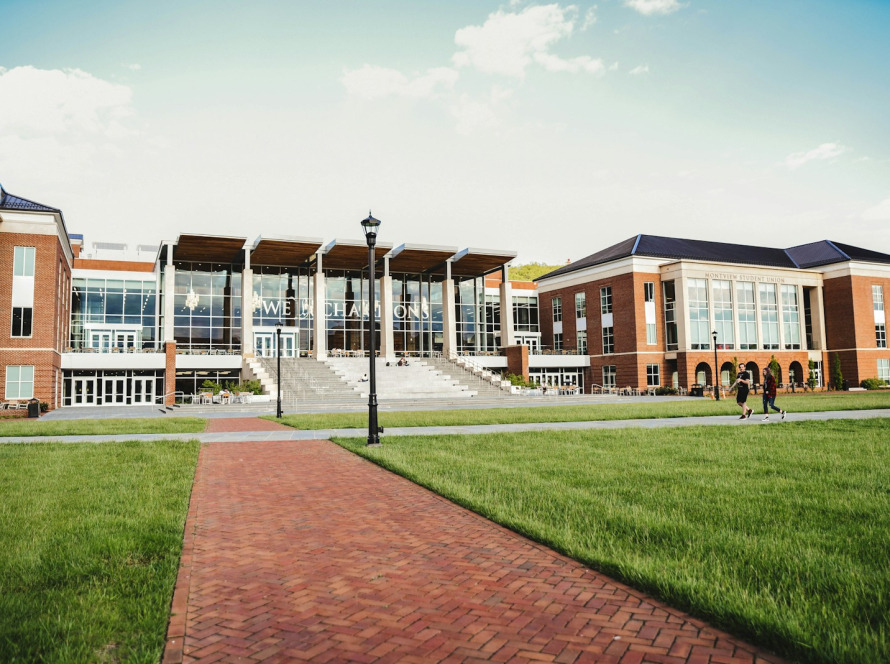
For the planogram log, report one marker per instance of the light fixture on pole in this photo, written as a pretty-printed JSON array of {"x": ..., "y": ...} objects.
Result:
[
  {"x": 717, "y": 376},
  {"x": 278, "y": 327},
  {"x": 370, "y": 226}
]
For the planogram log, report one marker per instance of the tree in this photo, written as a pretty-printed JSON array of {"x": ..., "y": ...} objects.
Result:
[
  {"x": 776, "y": 369},
  {"x": 811, "y": 379},
  {"x": 734, "y": 370},
  {"x": 837, "y": 376},
  {"x": 531, "y": 271}
]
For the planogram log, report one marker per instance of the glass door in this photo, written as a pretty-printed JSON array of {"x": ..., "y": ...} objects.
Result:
[
  {"x": 84, "y": 392},
  {"x": 287, "y": 343},
  {"x": 143, "y": 390},
  {"x": 101, "y": 341},
  {"x": 125, "y": 340},
  {"x": 265, "y": 344}
]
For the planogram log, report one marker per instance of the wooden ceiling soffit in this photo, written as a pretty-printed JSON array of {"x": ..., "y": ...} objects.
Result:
[
  {"x": 284, "y": 253},
  {"x": 417, "y": 259},
  {"x": 477, "y": 262},
  {"x": 209, "y": 248},
  {"x": 351, "y": 255}
]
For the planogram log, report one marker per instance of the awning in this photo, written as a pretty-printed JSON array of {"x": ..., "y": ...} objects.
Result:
[
  {"x": 477, "y": 262},
  {"x": 419, "y": 258},
  {"x": 284, "y": 251},
  {"x": 209, "y": 248},
  {"x": 351, "y": 254}
]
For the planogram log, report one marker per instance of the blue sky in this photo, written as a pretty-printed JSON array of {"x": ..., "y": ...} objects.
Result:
[{"x": 550, "y": 129}]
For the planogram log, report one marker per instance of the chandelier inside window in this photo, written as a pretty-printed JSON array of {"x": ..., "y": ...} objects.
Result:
[{"x": 191, "y": 300}]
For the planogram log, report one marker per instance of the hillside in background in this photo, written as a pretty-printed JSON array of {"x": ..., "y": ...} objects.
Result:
[{"x": 531, "y": 271}]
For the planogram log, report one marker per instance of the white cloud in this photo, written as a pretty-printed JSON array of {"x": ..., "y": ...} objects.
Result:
[
  {"x": 639, "y": 69},
  {"x": 824, "y": 151},
  {"x": 651, "y": 7},
  {"x": 42, "y": 102},
  {"x": 135, "y": 66},
  {"x": 589, "y": 18},
  {"x": 372, "y": 82},
  {"x": 880, "y": 212},
  {"x": 507, "y": 43}
]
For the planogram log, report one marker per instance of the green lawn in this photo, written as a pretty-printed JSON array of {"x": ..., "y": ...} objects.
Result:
[
  {"x": 26, "y": 427},
  {"x": 91, "y": 537},
  {"x": 645, "y": 408},
  {"x": 778, "y": 533}
]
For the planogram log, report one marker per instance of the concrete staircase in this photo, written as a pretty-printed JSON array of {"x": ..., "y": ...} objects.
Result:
[
  {"x": 473, "y": 379},
  {"x": 304, "y": 380},
  {"x": 419, "y": 380}
]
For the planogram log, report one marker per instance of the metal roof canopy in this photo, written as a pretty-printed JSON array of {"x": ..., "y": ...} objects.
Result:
[
  {"x": 472, "y": 262},
  {"x": 284, "y": 251},
  {"x": 351, "y": 254},
  {"x": 419, "y": 258},
  {"x": 208, "y": 248}
]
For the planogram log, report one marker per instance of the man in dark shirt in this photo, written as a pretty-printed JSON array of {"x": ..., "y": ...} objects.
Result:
[{"x": 743, "y": 380}]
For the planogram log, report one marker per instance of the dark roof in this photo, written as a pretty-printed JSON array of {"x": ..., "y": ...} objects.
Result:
[
  {"x": 859, "y": 254},
  {"x": 10, "y": 202},
  {"x": 804, "y": 256}
]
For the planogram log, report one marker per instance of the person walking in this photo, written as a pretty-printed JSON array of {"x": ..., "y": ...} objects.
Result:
[
  {"x": 769, "y": 394},
  {"x": 743, "y": 381}
]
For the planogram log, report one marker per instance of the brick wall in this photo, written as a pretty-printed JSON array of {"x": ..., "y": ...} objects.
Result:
[
  {"x": 119, "y": 266},
  {"x": 169, "y": 373},
  {"x": 50, "y": 317}
]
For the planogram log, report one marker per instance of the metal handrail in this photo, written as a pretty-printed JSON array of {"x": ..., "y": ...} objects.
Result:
[{"x": 164, "y": 396}]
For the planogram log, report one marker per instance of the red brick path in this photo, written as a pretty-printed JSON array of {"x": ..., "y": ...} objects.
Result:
[
  {"x": 301, "y": 551},
  {"x": 226, "y": 424}
]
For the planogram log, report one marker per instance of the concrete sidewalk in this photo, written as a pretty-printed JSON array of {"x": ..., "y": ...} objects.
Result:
[{"x": 244, "y": 434}]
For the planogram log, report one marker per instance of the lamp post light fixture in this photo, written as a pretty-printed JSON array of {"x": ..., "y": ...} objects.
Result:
[
  {"x": 717, "y": 376},
  {"x": 278, "y": 327},
  {"x": 370, "y": 226}
]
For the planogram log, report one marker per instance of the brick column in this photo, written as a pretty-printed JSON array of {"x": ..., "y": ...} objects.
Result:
[
  {"x": 169, "y": 372},
  {"x": 517, "y": 360}
]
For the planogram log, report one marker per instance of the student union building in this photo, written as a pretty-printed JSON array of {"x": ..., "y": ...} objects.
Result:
[{"x": 105, "y": 324}]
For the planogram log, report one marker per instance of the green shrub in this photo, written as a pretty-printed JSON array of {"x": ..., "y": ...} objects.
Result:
[
  {"x": 666, "y": 390},
  {"x": 519, "y": 381},
  {"x": 872, "y": 384},
  {"x": 811, "y": 379},
  {"x": 837, "y": 376},
  {"x": 44, "y": 406},
  {"x": 210, "y": 386},
  {"x": 252, "y": 386}
]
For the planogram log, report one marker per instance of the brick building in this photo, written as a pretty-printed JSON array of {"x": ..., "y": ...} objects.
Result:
[
  {"x": 647, "y": 310},
  {"x": 111, "y": 324}
]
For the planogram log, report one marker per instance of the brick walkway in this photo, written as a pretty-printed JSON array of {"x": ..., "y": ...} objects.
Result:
[
  {"x": 228, "y": 424},
  {"x": 300, "y": 551}
]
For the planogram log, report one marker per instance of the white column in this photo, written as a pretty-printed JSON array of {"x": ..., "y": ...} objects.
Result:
[
  {"x": 247, "y": 343},
  {"x": 449, "y": 324},
  {"x": 508, "y": 334},
  {"x": 684, "y": 340},
  {"x": 758, "y": 320},
  {"x": 319, "y": 322},
  {"x": 781, "y": 313},
  {"x": 387, "y": 342},
  {"x": 169, "y": 285},
  {"x": 801, "y": 320},
  {"x": 817, "y": 312}
]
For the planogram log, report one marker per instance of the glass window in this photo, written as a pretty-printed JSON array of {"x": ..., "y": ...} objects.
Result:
[
  {"x": 525, "y": 314},
  {"x": 790, "y": 317},
  {"x": 698, "y": 314},
  {"x": 769, "y": 316},
  {"x": 23, "y": 262},
  {"x": 557, "y": 309},
  {"x": 610, "y": 377},
  {"x": 653, "y": 375},
  {"x": 723, "y": 322},
  {"x": 608, "y": 340},
  {"x": 884, "y": 370},
  {"x": 651, "y": 336},
  {"x": 557, "y": 341},
  {"x": 877, "y": 296},
  {"x": 670, "y": 315},
  {"x": 649, "y": 297},
  {"x": 580, "y": 305},
  {"x": 747, "y": 309},
  {"x": 881, "y": 336},
  {"x": 19, "y": 382},
  {"x": 606, "y": 300},
  {"x": 21, "y": 321},
  {"x": 582, "y": 342},
  {"x": 649, "y": 291},
  {"x": 99, "y": 302}
]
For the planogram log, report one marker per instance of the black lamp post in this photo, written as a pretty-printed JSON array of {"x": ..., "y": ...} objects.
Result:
[
  {"x": 278, "y": 327},
  {"x": 717, "y": 376},
  {"x": 370, "y": 226}
]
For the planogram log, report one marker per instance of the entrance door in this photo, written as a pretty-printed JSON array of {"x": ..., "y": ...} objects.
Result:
[
  {"x": 101, "y": 341},
  {"x": 84, "y": 392},
  {"x": 287, "y": 343},
  {"x": 143, "y": 390},
  {"x": 125, "y": 340},
  {"x": 114, "y": 392},
  {"x": 265, "y": 344}
]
